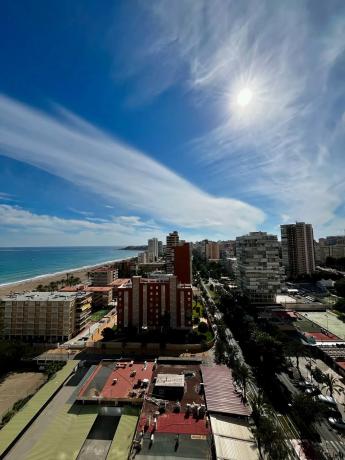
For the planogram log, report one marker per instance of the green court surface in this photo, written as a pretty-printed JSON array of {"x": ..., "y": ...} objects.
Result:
[
  {"x": 21, "y": 420},
  {"x": 327, "y": 320},
  {"x": 123, "y": 438},
  {"x": 66, "y": 434}
]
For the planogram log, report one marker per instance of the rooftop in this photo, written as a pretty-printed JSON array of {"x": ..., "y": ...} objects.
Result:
[
  {"x": 220, "y": 392},
  {"x": 119, "y": 282},
  {"x": 117, "y": 380},
  {"x": 35, "y": 296}
]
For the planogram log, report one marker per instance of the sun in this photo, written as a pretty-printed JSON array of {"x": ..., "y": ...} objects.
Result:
[{"x": 244, "y": 97}]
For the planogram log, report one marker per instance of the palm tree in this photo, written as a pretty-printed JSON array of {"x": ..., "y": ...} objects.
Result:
[
  {"x": 331, "y": 384},
  {"x": 243, "y": 376}
]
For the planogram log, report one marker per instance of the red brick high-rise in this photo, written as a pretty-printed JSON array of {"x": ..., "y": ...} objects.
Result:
[
  {"x": 153, "y": 303},
  {"x": 183, "y": 263}
]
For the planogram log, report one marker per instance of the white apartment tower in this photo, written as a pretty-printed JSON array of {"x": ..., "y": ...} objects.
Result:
[
  {"x": 259, "y": 269},
  {"x": 152, "y": 249},
  {"x": 298, "y": 254}
]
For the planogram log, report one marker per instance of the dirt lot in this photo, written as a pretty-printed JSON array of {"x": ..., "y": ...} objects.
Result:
[{"x": 16, "y": 386}]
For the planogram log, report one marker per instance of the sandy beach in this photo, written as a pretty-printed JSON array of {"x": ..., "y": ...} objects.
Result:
[{"x": 29, "y": 285}]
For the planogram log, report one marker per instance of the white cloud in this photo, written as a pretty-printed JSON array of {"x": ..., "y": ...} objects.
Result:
[
  {"x": 75, "y": 150},
  {"x": 45, "y": 229},
  {"x": 287, "y": 146}
]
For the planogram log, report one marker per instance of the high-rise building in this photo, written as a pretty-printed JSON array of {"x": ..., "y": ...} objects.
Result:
[
  {"x": 152, "y": 249},
  {"x": 183, "y": 263},
  {"x": 211, "y": 250},
  {"x": 297, "y": 244},
  {"x": 160, "y": 248},
  {"x": 258, "y": 266},
  {"x": 155, "y": 302},
  {"x": 44, "y": 316},
  {"x": 172, "y": 240}
]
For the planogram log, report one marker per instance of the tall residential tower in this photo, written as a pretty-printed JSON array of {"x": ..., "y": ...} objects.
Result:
[
  {"x": 298, "y": 255},
  {"x": 259, "y": 270}
]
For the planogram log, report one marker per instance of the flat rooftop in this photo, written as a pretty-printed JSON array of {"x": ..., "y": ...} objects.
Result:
[
  {"x": 35, "y": 296},
  {"x": 117, "y": 380}
]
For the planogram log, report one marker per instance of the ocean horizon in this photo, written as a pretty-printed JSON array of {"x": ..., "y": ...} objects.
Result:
[{"x": 27, "y": 263}]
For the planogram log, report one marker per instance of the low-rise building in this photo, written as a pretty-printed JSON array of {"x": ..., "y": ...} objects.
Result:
[
  {"x": 103, "y": 276},
  {"x": 44, "y": 316}
]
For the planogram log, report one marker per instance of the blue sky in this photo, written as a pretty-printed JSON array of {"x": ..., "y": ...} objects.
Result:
[{"x": 128, "y": 119}]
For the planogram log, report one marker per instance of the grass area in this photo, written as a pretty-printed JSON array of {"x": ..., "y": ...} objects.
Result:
[
  {"x": 22, "y": 418},
  {"x": 97, "y": 315},
  {"x": 197, "y": 310}
]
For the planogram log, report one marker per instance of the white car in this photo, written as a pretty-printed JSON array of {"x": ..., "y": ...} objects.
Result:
[{"x": 337, "y": 423}]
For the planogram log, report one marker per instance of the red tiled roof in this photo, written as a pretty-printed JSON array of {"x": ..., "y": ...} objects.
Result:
[
  {"x": 220, "y": 391},
  {"x": 98, "y": 288},
  {"x": 341, "y": 364},
  {"x": 321, "y": 337},
  {"x": 177, "y": 423},
  {"x": 119, "y": 281}
]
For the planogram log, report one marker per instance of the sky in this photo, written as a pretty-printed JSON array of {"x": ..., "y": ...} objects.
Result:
[{"x": 123, "y": 120}]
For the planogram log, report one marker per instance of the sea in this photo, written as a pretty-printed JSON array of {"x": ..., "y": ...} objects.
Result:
[{"x": 19, "y": 264}]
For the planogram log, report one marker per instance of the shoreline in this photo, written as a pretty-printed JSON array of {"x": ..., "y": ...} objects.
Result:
[{"x": 31, "y": 283}]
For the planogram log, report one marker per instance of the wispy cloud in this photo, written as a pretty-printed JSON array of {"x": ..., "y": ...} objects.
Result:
[
  {"x": 46, "y": 229},
  {"x": 6, "y": 196},
  {"x": 77, "y": 151},
  {"x": 287, "y": 146}
]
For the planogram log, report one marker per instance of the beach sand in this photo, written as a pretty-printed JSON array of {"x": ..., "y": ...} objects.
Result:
[{"x": 29, "y": 285}]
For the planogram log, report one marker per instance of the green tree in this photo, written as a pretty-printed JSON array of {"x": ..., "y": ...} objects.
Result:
[
  {"x": 243, "y": 377},
  {"x": 332, "y": 385},
  {"x": 296, "y": 350},
  {"x": 108, "y": 334},
  {"x": 203, "y": 327},
  {"x": 340, "y": 287}
]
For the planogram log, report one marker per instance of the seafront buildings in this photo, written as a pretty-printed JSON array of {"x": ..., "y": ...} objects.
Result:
[
  {"x": 298, "y": 255},
  {"x": 152, "y": 249},
  {"x": 258, "y": 266},
  {"x": 151, "y": 303},
  {"x": 44, "y": 316}
]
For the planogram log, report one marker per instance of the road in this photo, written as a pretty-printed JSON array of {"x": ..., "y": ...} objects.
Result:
[{"x": 332, "y": 441}]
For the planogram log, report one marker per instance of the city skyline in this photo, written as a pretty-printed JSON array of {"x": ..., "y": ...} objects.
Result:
[{"x": 121, "y": 123}]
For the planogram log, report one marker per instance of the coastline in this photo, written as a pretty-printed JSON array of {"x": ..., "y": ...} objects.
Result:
[{"x": 31, "y": 283}]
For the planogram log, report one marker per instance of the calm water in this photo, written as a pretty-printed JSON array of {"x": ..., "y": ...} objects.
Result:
[{"x": 18, "y": 264}]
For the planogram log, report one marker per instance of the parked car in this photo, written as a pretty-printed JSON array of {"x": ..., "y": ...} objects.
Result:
[
  {"x": 337, "y": 423},
  {"x": 327, "y": 400},
  {"x": 312, "y": 390}
]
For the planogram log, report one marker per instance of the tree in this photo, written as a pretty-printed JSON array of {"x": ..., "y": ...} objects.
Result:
[
  {"x": 297, "y": 350},
  {"x": 340, "y": 287},
  {"x": 306, "y": 412},
  {"x": 203, "y": 327},
  {"x": 108, "y": 334},
  {"x": 243, "y": 377},
  {"x": 331, "y": 384}
]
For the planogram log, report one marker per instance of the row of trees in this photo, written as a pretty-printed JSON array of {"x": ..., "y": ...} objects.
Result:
[{"x": 70, "y": 280}]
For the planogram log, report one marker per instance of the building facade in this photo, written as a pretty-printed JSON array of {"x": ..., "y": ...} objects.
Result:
[
  {"x": 172, "y": 240},
  {"x": 212, "y": 250},
  {"x": 44, "y": 316},
  {"x": 297, "y": 245},
  {"x": 103, "y": 276},
  {"x": 331, "y": 246},
  {"x": 154, "y": 303},
  {"x": 152, "y": 249},
  {"x": 258, "y": 266},
  {"x": 183, "y": 263}
]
